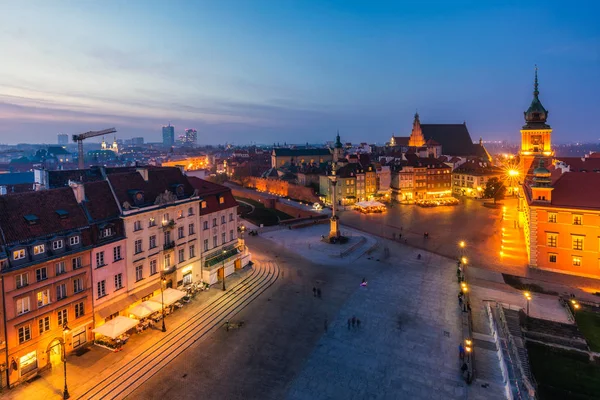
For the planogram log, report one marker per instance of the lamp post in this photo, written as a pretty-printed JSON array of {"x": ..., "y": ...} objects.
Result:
[
  {"x": 162, "y": 302},
  {"x": 528, "y": 298},
  {"x": 223, "y": 267},
  {"x": 66, "y": 330}
]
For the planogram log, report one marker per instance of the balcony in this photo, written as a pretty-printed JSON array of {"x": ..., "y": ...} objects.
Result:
[
  {"x": 167, "y": 225},
  {"x": 168, "y": 246}
]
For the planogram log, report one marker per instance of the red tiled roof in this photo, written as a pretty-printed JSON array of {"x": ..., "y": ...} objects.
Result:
[
  {"x": 43, "y": 204},
  {"x": 577, "y": 190},
  {"x": 580, "y": 164},
  {"x": 210, "y": 192},
  {"x": 100, "y": 202}
]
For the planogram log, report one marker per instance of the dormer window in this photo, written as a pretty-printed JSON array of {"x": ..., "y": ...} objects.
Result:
[
  {"x": 57, "y": 244},
  {"x": 19, "y": 254},
  {"x": 221, "y": 200},
  {"x": 62, "y": 214},
  {"x": 31, "y": 219},
  {"x": 106, "y": 232},
  {"x": 203, "y": 204},
  {"x": 178, "y": 190},
  {"x": 138, "y": 197},
  {"x": 74, "y": 240},
  {"x": 39, "y": 249}
]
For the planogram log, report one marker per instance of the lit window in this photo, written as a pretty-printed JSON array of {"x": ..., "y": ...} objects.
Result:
[
  {"x": 577, "y": 242},
  {"x": 552, "y": 217},
  {"x": 18, "y": 254},
  {"x": 577, "y": 219},
  {"x": 221, "y": 200},
  {"x": 43, "y": 298},
  {"x": 551, "y": 239},
  {"x": 39, "y": 249},
  {"x": 576, "y": 261},
  {"x": 203, "y": 204}
]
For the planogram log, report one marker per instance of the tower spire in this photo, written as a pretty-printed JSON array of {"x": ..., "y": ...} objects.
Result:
[{"x": 536, "y": 92}]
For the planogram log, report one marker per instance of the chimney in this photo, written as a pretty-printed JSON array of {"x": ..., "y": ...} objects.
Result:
[
  {"x": 143, "y": 172},
  {"x": 78, "y": 190}
]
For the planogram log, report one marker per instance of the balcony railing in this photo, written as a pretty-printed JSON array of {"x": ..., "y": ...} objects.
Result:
[{"x": 168, "y": 245}]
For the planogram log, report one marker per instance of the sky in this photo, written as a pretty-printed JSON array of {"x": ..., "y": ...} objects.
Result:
[{"x": 264, "y": 71}]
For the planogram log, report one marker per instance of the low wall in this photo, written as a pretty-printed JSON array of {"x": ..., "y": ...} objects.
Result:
[
  {"x": 273, "y": 202},
  {"x": 282, "y": 188}
]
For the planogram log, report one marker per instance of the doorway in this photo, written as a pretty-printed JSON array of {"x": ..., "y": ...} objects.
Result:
[{"x": 55, "y": 353}]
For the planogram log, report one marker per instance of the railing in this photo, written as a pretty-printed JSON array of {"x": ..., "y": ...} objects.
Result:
[{"x": 168, "y": 245}]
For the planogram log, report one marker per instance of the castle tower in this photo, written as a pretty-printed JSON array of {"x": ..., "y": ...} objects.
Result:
[
  {"x": 416, "y": 136},
  {"x": 103, "y": 145},
  {"x": 541, "y": 188},
  {"x": 536, "y": 135},
  {"x": 338, "y": 150}
]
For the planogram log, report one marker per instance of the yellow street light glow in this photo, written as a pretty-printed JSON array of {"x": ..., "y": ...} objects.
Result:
[
  {"x": 573, "y": 302},
  {"x": 464, "y": 260},
  {"x": 503, "y": 229},
  {"x": 501, "y": 253},
  {"x": 468, "y": 342},
  {"x": 576, "y": 306},
  {"x": 513, "y": 172},
  {"x": 462, "y": 243},
  {"x": 465, "y": 289},
  {"x": 463, "y": 284},
  {"x": 468, "y": 349}
]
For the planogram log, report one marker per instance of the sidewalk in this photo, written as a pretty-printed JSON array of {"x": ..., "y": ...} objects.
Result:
[{"x": 83, "y": 370}]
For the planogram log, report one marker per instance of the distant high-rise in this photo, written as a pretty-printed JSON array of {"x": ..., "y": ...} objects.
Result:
[
  {"x": 63, "y": 139},
  {"x": 191, "y": 137},
  {"x": 168, "y": 133}
]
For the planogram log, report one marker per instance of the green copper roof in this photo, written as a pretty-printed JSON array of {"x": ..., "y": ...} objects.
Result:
[
  {"x": 338, "y": 142},
  {"x": 536, "y": 114}
]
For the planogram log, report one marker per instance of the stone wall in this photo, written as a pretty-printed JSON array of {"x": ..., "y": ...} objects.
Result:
[
  {"x": 282, "y": 188},
  {"x": 273, "y": 202}
]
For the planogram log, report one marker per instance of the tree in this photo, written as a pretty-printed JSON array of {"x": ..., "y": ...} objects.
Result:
[{"x": 494, "y": 189}]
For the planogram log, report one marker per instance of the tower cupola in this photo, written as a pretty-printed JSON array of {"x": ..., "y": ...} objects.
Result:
[{"x": 536, "y": 115}]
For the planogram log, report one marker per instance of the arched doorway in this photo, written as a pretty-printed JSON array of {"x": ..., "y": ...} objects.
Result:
[{"x": 55, "y": 352}]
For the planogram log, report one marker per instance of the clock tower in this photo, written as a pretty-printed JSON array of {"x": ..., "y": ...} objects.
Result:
[{"x": 535, "y": 136}]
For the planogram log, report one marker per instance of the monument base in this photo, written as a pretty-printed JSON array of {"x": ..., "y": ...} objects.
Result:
[{"x": 334, "y": 227}]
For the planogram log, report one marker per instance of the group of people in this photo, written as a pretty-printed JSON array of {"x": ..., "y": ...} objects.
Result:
[
  {"x": 353, "y": 322},
  {"x": 465, "y": 305},
  {"x": 316, "y": 292}
]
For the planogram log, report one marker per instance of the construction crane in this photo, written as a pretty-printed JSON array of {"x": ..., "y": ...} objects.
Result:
[{"x": 82, "y": 136}]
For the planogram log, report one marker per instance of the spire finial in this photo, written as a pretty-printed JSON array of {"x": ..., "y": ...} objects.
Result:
[{"x": 536, "y": 92}]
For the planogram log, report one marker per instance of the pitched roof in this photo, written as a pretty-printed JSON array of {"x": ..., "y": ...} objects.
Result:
[
  {"x": 476, "y": 168},
  {"x": 581, "y": 164},
  {"x": 211, "y": 193},
  {"x": 300, "y": 152},
  {"x": 401, "y": 140},
  {"x": 577, "y": 190},
  {"x": 43, "y": 205},
  {"x": 99, "y": 201},
  {"x": 454, "y": 138}
]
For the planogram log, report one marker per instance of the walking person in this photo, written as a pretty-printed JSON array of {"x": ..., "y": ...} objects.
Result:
[
  {"x": 357, "y": 323},
  {"x": 353, "y": 321},
  {"x": 319, "y": 292},
  {"x": 314, "y": 291},
  {"x": 399, "y": 236}
]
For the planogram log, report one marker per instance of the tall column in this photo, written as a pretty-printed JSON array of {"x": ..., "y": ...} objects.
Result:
[{"x": 334, "y": 229}]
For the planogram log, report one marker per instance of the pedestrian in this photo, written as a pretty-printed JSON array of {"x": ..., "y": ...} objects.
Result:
[
  {"x": 349, "y": 322},
  {"x": 357, "y": 323},
  {"x": 424, "y": 235},
  {"x": 460, "y": 301},
  {"x": 461, "y": 351},
  {"x": 325, "y": 325},
  {"x": 314, "y": 291},
  {"x": 469, "y": 306},
  {"x": 319, "y": 292},
  {"x": 353, "y": 321}
]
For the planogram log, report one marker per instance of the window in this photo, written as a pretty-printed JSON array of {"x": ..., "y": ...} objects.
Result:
[
  {"x": 577, "y": 242},
  {"x": 205, "y": 228},
  {"x": 44, "y": 324},
  {"x": 181, "y": 255},
  {"x": 118, "y": 281},
  {"x": 151, "y": 222},
  {"x": 101, "y": 289},
  {"x": 152, "y": 241},
  {"x": 221, "y": 200},
  {"x": 57, "y": 244},
  {"x": 116, "y": 253},
  {"x": 106, "y": 232},
  {"x": 552, "y": 258},
  {"x": 41, "y": 274},
  {"x": 205, "y": 244},
  {"x": 60, "y": 268},
  {"x": 153, "y": 267},
  {"x": 222, "y": 219},
  {"x": 576, "y": 261},
  {"x": 79, "y": 310},
  {"x": 18, "y": 254},
  {"x": 191, "y": 211},
  {"x": 180, "y": 233},
  {"x": 24, "y": 334},
  {"x": 21, "y": 280},
  {"x": 23, "y": 305},
  {"x": 231, "y": 216},
  {"x": 76, "y": 262},
  {"x": 139, "y": 273},
  {"x": 166, "y": 218},
  {"x": 167, "y": 237},
  {"x": 43, "y": 298},
  {"x": 100, "y": 259},
  {"x": 61, "y": 291},
  {"x": 167, "y": 261},
  {"x": 231, "y": 234},
  {"x": 551, "y": 239},
  {"x": 191, "y": 229},
  {"x": 73, "y": 240},
  {"x": 137, "y": 226},
  {"x": 62, "y": 317},
  {"x": 39, "y": 249},
  {"x": 203, "y": 204},
  {"x": 77, "y": 285},
  {"x": 215, "y": 243},
  {"x": 552, "y": 217},
  {"x": 180, "y": 214},
  {"x": 577, "y": 219},
  {"x": 192, "y": 251},
  {"x": 223, "y": 238},
  {"x": 138, "y": 246}
]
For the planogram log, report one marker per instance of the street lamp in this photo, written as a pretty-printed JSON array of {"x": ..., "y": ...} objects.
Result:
[
  {"x": 224, "y": 252},
  {"x": 528, "y": 297},
  {"x": 462, "y": 244},
  {"x": 66, "y": 330},
  {"x": 162, "y": 302}
]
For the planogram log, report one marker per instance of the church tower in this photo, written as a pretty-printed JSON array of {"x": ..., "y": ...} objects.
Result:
[
  {"x": 416, "y": 137},
  {"x": 535, "y": 136}
]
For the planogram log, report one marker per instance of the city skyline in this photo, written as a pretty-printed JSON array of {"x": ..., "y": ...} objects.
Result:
[{"x": 266, "y": 72}]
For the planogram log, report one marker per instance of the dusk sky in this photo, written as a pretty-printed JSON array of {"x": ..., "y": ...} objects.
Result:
[{"x": 296, "y": 71}]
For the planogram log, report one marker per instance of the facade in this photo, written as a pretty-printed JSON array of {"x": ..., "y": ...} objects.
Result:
[
  {"x": 46, "y": 279},
  {"x": 282, "y": 156},
  {"x": 470, "y": 178},
  {"x": 191, "y": 138},
  {"x": 168, "y": 135},
  {"x": 420, "y": 178}
]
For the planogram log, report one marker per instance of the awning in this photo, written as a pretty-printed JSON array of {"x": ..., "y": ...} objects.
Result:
[
  {"x": 370, "y": 203},
  {"x": 114, "y": 308},
  {"x": 146, "y": 291},
  {"x": 116, "y": 326},
  {"x": 170, "y": 295},
  {"x": 146, "y": 308}
]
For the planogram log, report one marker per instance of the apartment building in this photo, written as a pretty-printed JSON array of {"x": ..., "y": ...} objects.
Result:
[{"x": 46, "y": 279}]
